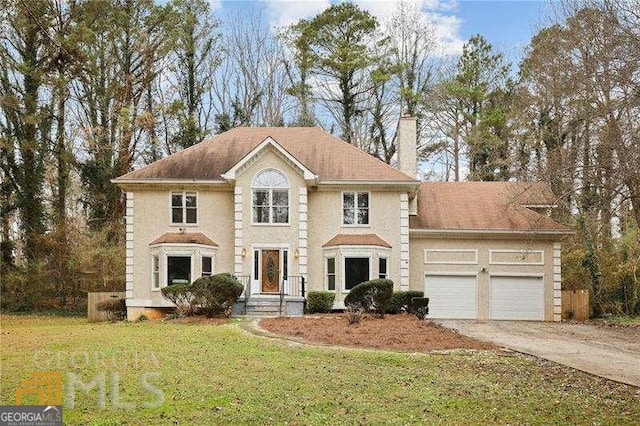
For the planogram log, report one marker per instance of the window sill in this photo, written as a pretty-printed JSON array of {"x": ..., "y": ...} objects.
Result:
[
  {"x": 184, "y": 225},
  {"x": 279, "y": 225},
  {"x": 357, "y": 226}
]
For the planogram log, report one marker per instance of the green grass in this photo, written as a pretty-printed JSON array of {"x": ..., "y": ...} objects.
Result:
[
  {"x": 632, "y": 320},
  {"x": 219, "y": 375}
]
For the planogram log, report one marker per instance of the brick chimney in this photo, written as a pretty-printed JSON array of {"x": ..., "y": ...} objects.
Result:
[{"x": 407, "y": 145}]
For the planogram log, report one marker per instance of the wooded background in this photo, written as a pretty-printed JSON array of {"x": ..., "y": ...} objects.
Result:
[{"x": 91, "y": 89}]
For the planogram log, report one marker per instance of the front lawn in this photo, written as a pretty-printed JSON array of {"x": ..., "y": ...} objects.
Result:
[
  {"x": 630, "y": 321},
  {"x": 218, "y": 374}
]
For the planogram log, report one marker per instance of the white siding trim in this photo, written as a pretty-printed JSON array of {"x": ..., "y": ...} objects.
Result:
[
  {"x": 450, "y": 262},
  {"x": 237, "y": 209},
  {"x": 302, "y": 231},
  {"x": 129, "y": 245},
  {"x": 404, "y": 242},
  {"x": 557, "y": 282},
  {"x": 524, "y": 254}
]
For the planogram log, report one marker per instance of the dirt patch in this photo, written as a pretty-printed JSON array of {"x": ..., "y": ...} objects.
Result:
[{"x": 394, "y": 332}]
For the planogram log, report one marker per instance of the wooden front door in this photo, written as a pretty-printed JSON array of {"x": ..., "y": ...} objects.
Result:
[{"x": 270, "y": 271}]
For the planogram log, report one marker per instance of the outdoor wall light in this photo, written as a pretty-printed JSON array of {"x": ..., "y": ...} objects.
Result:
[
  {"x": 295, "y": 254},
  {"x": 244, "y": 252}
]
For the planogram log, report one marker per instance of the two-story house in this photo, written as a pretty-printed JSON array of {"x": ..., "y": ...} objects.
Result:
[{"x": 291, "y": 210}]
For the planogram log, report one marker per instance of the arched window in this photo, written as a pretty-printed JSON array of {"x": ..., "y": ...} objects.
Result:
[{"x": 270, "y": 197}]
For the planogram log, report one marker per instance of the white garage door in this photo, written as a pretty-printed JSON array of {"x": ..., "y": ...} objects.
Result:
[
  {"x": 452, "y": 296},
  {"x": 517, "y": 298}
]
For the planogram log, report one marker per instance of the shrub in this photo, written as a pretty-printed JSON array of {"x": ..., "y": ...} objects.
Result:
[
  {"x": 420, "y": 307},
  {"x": 217, "y": 294},
  {"x": 115, "y": 308},
  {"x": 401, "y": 301},
  {"x": 372, "y": 296},
  {"x": 320, "y": 301},
  {"x": 354, "y": 314},
  {"x": 181, "y": 295}
]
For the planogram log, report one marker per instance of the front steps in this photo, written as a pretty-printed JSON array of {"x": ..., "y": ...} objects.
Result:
[{"x": 269, "y": 306}]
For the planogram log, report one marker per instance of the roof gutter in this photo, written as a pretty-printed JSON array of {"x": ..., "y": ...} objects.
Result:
[
  {"x": 556, "y": 232},
  {"x": 167, "y": 181},
  {"x": 370, "y": 182}
]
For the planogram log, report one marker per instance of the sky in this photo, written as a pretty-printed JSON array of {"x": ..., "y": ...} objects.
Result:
[{"x": 507, "y": 24}]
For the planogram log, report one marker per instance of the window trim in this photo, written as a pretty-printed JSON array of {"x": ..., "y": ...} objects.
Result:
[
  {"x": 184, "y": 253},
  {"x": 386, "y": 260},
  {"x": 155, "y": 280},
  {"x": 194, "y": 251},
  {"x": 270, "y": 206},
  {"x": 355, "y": 203},
  {"x": 346, "y": 256},
  {"x": 326, "y": 272},
  {"x": 212, "y": 255},
  {"x": 184, "y": 209}
]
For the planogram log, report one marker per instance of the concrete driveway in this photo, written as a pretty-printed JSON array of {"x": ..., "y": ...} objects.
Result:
[{"x": 613, "y": 353}]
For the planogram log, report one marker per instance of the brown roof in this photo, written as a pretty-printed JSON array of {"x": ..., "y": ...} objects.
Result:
[
  {"x": 356, "y": 240},
  {"x": 483, "y": 206},
  {"x": 325, "y": 155},
  {"x": 184, "y": 238}
]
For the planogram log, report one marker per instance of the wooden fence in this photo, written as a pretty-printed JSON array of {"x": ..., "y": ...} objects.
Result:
[
  {"x": 576, "y": 302},
  {"x": 92, "y": 300}
]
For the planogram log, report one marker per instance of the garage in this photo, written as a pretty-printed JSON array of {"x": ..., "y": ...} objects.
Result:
[
  {"x": 516, "y": 298},
  {"x": 452, "y": 296}
]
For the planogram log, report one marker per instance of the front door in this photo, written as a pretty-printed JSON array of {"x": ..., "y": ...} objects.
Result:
[{"x": 270, "y": 271}]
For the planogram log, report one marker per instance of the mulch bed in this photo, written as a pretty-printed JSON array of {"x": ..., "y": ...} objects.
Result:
[{"x": 395, "y": 332}]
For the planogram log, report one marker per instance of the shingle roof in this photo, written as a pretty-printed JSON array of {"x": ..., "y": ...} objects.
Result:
[
  {"x": 356, "y": 240},
  {"x": 483, "y": 206},
  {"x": 324, "y": 154},
  {"x": 184, "y": 238}
]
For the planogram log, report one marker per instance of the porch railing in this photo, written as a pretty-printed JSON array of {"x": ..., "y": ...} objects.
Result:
[
  {"x": 293, "y": 285},
  {"x": 245, "y": 280}
]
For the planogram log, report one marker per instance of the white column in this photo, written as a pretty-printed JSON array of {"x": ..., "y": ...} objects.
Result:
[
  {"x": 237, "y": 214},
  {"x": 129, "y": 245},
  {"x": 404, "y": 242},
  {"x": 303, "y": 217},
  {"x": 557, "y": 282}
]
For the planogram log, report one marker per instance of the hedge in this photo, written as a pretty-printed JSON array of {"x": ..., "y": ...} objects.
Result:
[
  {"x": 217, "y": 294},
  {"x": 420, "y": 307},
  {"x": 373, "y": 296},
  {"x": 116, "y": 309},
  {"x": 401, "y": 301},
  {"x": 183, "y": 296},
  {"x": 320, "y": 301}
]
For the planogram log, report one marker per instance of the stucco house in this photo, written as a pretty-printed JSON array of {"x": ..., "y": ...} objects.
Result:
[{"x": 292, "y": 210}]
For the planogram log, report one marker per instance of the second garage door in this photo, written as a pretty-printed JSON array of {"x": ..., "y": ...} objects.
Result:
[
  {"x": 516, "y": 298},
  {"x": 452, "y": 296}
]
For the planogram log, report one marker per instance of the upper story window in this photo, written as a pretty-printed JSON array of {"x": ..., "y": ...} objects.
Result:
[
  {"x": 270, "y": 197},
  {"x": 184, "y": 208},
  {"x": 355, "y": 208}
]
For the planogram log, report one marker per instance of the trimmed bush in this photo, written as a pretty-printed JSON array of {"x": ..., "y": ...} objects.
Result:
[
  {"x": 420, "y": 307},
  {"x": 372, "y": 296},
  {"x": 320, "y": 301},
  {"x": 115, "y": 308},
  {"x": 401, "y": 301},
  {"x": 217, "y": 294},
  {"x": 182, "y": 296}
]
